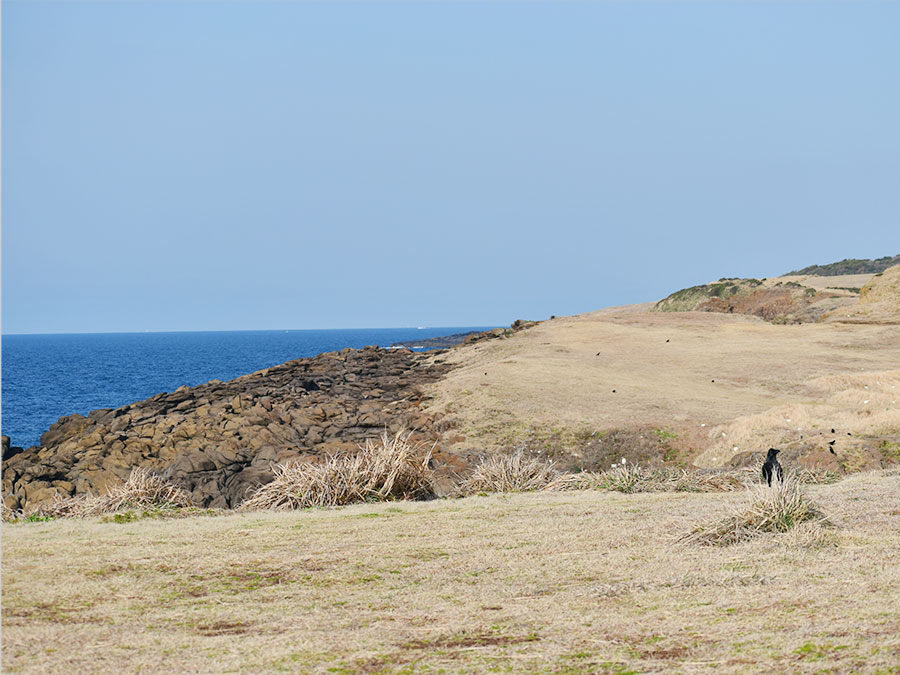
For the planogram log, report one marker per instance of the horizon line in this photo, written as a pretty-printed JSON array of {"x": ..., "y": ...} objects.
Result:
[{"x": 243, "y": 330}]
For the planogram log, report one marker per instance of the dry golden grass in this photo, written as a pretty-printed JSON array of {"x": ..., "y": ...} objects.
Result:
[
  {"x": 635, "y": 478},
  {"x": 851, "y": 403},
  {"x": 694, "y": 373},
  {"x": 879, "y": 301},
  {"x": 392, "y": 468},
  {"x": 514, "y": 472},
  {"x": 769, "y": 509},
  {"x": 143, "y": 489},
  {"x": 544, "y": 582},
  {"x": 837, "y": 284}
]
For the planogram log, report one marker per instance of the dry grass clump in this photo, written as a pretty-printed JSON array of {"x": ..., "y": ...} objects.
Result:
[
  {"x": 7, "y": 515},
  {"x": 514, "y": 472},
  {"x": 634, "y": 478},
  {"x": 143, "y": 489},
  {"x": 393, "y": 468},
  {"x": 774, "y": 509},
  {"x": 814, "y": 476}
]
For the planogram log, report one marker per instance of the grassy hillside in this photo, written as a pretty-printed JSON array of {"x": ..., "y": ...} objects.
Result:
[
  {"x": 781, "y": 302},
  {"x": 879, "y": 301},
  {"x": 850, "y": 266},
  {"x": 566, "y": 582},
  {"x": 675, "y": 384}
]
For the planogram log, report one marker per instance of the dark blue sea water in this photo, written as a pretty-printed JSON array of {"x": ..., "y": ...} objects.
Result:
[{"x": 48, "y": 376}]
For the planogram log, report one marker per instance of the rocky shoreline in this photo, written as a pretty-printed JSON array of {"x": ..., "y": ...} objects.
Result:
[
  {"x": 442, "y": 342},
  {"x": 220, "y": 439}
]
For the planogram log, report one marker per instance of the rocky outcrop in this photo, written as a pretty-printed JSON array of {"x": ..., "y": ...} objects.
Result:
[
  {"x": 436, "y": 342},
  {"x": 468, "y": 338},
  {"x": 778, "y": 302},
  {"x": 220, "y": 439},
  {"x": 854, "y": 454},
  {"x": 8, "y": 451}
]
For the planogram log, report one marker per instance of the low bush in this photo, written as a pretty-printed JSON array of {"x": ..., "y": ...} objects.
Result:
[
  {"x": 774, "y": 509},
  {"x": 515, "y": 472},
  {"x": 143, "y": 489},
  {"x": 392, "y": 468}
]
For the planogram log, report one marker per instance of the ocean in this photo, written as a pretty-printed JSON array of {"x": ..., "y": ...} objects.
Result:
[{"x": 48, "y": 376}]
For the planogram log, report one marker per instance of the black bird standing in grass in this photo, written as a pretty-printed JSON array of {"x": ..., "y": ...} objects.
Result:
[{"x": 772, "y": 468}]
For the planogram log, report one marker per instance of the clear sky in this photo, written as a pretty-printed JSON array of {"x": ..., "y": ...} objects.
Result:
[{"x": 251, "y": 165}]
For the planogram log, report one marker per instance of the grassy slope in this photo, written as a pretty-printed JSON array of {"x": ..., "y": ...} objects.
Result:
[
  {"x": 563, "y": 582},
  {"x": 562, "y": 373}
]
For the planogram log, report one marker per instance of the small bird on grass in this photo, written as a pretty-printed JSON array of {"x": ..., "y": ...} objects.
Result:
[{"x": 771, "y": 468}]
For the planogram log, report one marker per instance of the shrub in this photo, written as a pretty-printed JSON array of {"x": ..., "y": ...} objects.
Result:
[
  {"x": 768, "y": 510},
  {"x": 143, "y": 489},
  {"x": 7, "y": 514},
  {"x": 514, "y": 472},
  {"x": 629, "y": 478},
  {"x": 393, "y": 468}
]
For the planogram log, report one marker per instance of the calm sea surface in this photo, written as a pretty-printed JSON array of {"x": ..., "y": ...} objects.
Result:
[{"x": 48, "y": 376}]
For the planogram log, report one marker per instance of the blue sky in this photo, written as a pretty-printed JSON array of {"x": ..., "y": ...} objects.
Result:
[{"x": 251, "y": 165}]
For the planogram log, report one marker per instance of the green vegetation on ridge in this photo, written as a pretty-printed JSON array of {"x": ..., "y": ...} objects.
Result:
[{"x": 850, "y": 266}]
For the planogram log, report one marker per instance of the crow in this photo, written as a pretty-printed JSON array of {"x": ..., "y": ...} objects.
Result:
[{"x": 772, "y": 468}]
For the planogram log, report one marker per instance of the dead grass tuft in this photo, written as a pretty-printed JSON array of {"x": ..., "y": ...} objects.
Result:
[
  {"x": 7, "y": 515},
  {"x": 143, "y": 489},
  {"x": 814, "y": 476},
  {"x": 775, "y": 509},
  {"x": 635, "y": 478},
  {"x": 514, "y": 472},
  {"x": 393, "y": 468}
]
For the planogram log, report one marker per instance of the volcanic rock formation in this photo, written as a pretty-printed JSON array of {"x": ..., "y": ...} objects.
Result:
[{"x": 220, "y": 439}]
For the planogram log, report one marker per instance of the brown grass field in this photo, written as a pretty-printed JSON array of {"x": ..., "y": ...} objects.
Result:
[
  {"x": 698, "y": 374},
  {"x": 549, "y": 582},
  {"x": 570, "y": 579}
]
